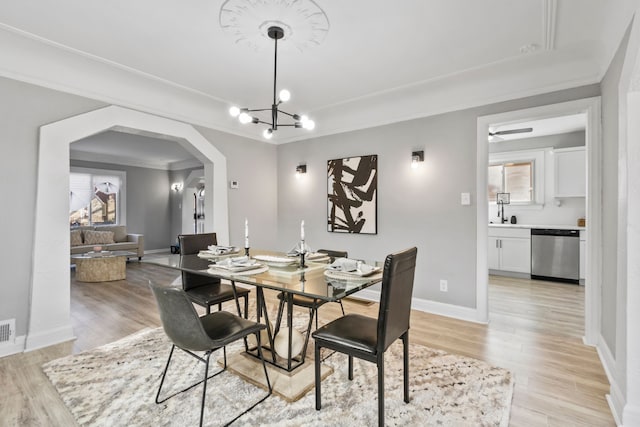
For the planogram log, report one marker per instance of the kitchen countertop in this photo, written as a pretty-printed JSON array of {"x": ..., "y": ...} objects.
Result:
[{"x": 549, "y": 227}]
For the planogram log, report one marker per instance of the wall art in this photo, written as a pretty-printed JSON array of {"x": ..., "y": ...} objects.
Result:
[{"x": 352, "y": 195}]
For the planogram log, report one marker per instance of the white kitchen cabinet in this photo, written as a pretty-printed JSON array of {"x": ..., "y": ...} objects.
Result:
[
  {"x": 570, "y": 172},
  {"x": 509, "y": 250}
]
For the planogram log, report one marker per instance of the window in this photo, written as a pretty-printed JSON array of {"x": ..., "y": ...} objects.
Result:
[
  {"x": 519, "y": 173},
  {"x": 513, "y": 178},
  {"x": 95, "y": 197}
]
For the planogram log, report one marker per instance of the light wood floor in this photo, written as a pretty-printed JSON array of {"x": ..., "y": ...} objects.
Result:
[{"x": 535, "y": 331}]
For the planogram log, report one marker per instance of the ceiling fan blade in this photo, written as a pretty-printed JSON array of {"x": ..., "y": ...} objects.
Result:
[{"x": 511, "y": 131}]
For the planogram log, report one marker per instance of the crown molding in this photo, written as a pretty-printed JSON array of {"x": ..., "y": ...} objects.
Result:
[
  {"x": 549, "y": 13},
  {"x": 30, "y": 59},
  {"x": 86, "y": 156},
  {"x": 40, "y": 62}
]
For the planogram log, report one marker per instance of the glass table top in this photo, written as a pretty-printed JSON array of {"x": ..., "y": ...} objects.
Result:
[{"x": 313, "y": 281}]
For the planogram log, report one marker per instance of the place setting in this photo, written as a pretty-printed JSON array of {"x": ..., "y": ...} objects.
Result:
[
  {"x": 218, "y": 251},
  {"x": 242, "y": 265},
  {"x": 345, "y": 268},
  {"x": 295, "y": 259}
]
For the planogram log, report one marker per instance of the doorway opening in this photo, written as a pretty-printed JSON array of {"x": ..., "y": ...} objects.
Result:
[
  {"x": 49, "y": 310},
  {"x": 590, "y": 109}
]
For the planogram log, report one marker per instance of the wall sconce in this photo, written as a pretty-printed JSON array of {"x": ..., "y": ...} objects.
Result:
[
  {"x": 416, "y": 157},
  {"x": 301, "y": 169},
  {"x": 176, "y": 186}
]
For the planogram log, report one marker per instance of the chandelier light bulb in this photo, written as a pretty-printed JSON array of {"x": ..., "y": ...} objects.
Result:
[
  {"x": 244, "y": 118},
  {"x": 285, "y": 95},
  {"x": 308, "y": 124},
  {"x": 267, "y": 134},
  {"x": 234, "y": 111}
]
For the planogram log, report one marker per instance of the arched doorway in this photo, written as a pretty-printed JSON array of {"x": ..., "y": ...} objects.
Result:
[{"x": 49, "y": 310}]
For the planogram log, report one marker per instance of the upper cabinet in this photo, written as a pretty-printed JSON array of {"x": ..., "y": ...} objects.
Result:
[{"x": 570, "y": 172}]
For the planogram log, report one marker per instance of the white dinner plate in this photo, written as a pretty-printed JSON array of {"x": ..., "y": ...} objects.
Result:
[
  {"x": 351, "y": 274},
  {"x": 276, "y": 261}
]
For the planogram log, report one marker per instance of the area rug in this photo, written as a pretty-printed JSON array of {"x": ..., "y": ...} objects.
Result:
[{"x": 116, "y": 384}]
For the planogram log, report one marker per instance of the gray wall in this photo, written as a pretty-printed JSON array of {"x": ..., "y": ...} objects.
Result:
[
  {"x": 609, "y": 210},
  {"x": 421, "y": 209},
  {"x": 148, "y": 209},
  {"x": 414, "y": 209},
  {"x": 254, "y": 165},
  {"x": 176, "y": 202},
  {"x": 23, "y": 109}
]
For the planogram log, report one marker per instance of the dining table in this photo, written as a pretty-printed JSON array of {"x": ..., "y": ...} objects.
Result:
[{"x": 311, "y": 276}]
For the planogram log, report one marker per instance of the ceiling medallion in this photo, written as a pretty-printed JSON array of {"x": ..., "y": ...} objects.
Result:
[{"x": 303, "y": 22}]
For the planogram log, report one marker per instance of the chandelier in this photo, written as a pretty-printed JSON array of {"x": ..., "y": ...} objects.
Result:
[{"x": 245, "y": 115}]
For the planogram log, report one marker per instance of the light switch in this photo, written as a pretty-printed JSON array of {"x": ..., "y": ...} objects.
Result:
[
  {"x": 465, "y": 199},
  {"x": 233, "y": 184}
]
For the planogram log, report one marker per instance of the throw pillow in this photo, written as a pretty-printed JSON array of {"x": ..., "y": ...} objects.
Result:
[
  {"x": 98, "y": 237},
  {"x": 119, "y": 232},
  {"x": 76, "y": 237}
]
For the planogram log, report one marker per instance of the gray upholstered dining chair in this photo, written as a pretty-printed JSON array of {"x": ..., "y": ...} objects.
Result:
[
  {"x": 208, "y": 333},
  {"x": 312, "y": 304},
  {"x": 368, "y": 338},
  {"x": 204, "y": 290}
]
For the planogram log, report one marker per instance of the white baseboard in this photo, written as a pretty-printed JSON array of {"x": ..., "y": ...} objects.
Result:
[
  {"x": 510, "y": 274},
  {"x": 7, "y": 349},
  {"x": 607, "y": 359},
  {"x": 615, "y": 398},
  {"x": 432, "y": 307},
  {"x": 49, "y": 337}
]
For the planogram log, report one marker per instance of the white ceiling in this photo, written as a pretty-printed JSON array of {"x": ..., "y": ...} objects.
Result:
[
  {"x": 374, "y": 54},
  {"x": 133, "y": 150},
  {"x": 541, "y": 127}
]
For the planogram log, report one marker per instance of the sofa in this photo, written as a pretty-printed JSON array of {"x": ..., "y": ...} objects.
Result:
[{"x": 109, "y": 237}]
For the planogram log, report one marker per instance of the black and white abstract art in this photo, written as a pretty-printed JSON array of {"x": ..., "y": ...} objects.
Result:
[{"x": 352, "y": 195}]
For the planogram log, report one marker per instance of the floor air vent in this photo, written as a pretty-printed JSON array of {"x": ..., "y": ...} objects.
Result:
[{"x": 7, "y": 331}]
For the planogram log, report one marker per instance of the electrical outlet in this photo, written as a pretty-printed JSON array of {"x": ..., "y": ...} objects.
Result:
[{"x": 444, "y": 285}]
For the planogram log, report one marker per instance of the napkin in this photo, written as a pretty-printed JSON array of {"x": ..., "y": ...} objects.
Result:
[
  {"x": 221, "y": 250},
  {"x": 344, "y": 264},
  {"x": 238, "y": 263},
  {"x": 347, "y": 265},
  {"x": 298, "y": 249}
]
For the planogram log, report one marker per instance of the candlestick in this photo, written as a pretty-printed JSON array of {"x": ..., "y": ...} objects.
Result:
[
  {"x": 302, "y": 230},
  {"x": 302, "y": 264},
  {"x": 246, "y": 233}
]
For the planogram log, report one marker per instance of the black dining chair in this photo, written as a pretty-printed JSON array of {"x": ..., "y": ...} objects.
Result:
[
  {"x": 312, "y": 304},
  {"x": 204, "y": 290},
  {"x": 368, "y": 338},
  {"x": 208, "y": 333}
]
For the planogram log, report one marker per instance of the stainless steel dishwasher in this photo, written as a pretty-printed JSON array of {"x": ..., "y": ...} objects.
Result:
[{"x": 555, "y": 255}]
